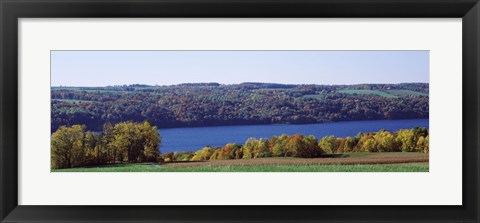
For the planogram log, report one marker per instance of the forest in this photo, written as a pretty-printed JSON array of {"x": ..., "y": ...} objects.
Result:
[
  {"x": 130, "y": 142},
  {"x": 211, "y": 104}
]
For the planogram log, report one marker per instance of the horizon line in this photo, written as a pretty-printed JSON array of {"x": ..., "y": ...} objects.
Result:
[{"x": 158, "y": 85}]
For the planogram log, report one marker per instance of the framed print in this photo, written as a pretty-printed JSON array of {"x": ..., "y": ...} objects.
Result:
[{"x": 174, "y": 111}]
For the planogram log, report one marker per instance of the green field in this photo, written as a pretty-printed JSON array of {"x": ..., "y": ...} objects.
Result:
[
  {"x": 379, "y": 93},
  {"x": 406, "y": 92},
  {"x": 80, "y": 89},
  {"x": 407, "y": 167}
]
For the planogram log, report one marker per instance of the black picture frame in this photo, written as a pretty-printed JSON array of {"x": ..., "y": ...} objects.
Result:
[{"x": 12, "y": 10}]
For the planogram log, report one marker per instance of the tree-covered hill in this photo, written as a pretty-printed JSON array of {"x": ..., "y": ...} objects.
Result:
[{"x": 207, "y": 104}]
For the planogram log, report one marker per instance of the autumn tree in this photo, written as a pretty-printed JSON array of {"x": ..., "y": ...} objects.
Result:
[
  {"x": 216, "y": 154},
  {"x": 67, "y": 145},
  {"x": 151, "y": 141},
  {"x": 407, "y": 140},
  {"x": 329, "y": 144},
  {"x": 294, "y": 143},
  {"x": 370, "y": 145},
  {"x": 203, "y": 154},
  {"x": 168, "y": 157},
  {"x": 91, "y": 150},
  {"x": 349, "y": 144},
  {"x": 278, "y": 146},
  {"x": 385, "y": 141},
  {"x": 232, "y": 151},
  {"x": 309, "y": 148},
  {"x": 426, "y": 149},
  {"x": 261, "y": 149},
  {"x": 183, "y": 156},
  {"x": 249, "y": 147},
  {"x": 422, "y": 144},
  {"x": 106, "y": 142},
  {"x": 135, "y": 142}
]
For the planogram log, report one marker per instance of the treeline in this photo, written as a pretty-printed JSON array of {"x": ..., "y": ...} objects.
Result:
[
  {"x": 125, "y": 142},
  {"x": 129, "y": 142},
  {"x": 405, "y": 140},
  {"x": 210, "y": 104}
]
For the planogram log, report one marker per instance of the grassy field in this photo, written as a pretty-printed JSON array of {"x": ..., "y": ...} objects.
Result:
[
  {"x": 403, "y": 167},
  {"x": 81, "y": 89},
  {"x": 354, "y": 162},
  {"x": 379, "y": 93},
  {"x": 406, "y": 92}
]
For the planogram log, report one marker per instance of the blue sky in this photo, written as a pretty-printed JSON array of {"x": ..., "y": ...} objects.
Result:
[{"x": 103, "y": 68}]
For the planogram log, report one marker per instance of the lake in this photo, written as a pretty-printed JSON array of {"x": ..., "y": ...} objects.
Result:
[{"x": 192, "y": 139}]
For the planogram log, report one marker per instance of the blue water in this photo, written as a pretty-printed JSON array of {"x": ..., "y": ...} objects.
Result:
[{"x": 192, "y": 139}]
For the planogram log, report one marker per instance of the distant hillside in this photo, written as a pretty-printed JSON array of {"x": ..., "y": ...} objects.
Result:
[{"x": 207, "y": 104}]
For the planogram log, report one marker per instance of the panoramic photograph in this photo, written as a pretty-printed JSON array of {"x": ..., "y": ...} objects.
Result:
[{"x": 239, "y": 111}]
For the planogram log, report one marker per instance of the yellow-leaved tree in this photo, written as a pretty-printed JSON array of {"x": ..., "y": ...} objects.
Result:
[{"x": 67, "y": 145}]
